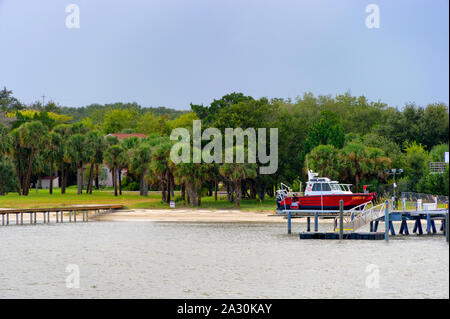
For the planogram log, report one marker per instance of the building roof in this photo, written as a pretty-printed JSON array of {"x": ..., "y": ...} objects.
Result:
[{"x": 122, "y": 136}]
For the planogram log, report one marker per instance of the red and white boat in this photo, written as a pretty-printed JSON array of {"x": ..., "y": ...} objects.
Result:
[{"x": 321, "y": 194}]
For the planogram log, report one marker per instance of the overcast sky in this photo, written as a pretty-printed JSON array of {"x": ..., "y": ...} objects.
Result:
[{"x": 174, "y": 52}]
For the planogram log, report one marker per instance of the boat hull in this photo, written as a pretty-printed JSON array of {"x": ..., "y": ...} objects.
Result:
[{"x": 326, "y": 202}]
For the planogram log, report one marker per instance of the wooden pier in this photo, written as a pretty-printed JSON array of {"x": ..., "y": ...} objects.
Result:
[
  {"x": 384, "y": 214},
  {"x": 60, "y": 214}
]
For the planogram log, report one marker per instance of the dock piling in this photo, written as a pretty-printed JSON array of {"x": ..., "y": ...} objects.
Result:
[
  {"x": 386, "y": 222},
  {"x": 341, "y": 220},
  {"x": 316, "y": 222},
  {"x": 289, "y": 222},
  {"x": 446, "y": 226}
]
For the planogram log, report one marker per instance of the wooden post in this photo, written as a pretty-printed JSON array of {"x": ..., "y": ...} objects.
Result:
[
  {"x": 21, "y": 218},
  {"x": 17, "y": 218},
  {"x": 308, "y": 224},
  {"x": 31, "y": 218},
  {"x": 7, "y": 219},
  {"x": 316, "y": 222},
  {"x": 341, "y": 219},
  {"x": 386, "y": 221},
  {"x": 35, "y": 215},
  {"x": 62, "y": 216},
  {"x": 446, "y": 225},
  {"x": 289, "y": 222},
  {"x": 75, "y": 216},
  {"x": 70, "y": 216},
  {"x": 428, "y": 223},
  {"x": 3, "y": 219}
]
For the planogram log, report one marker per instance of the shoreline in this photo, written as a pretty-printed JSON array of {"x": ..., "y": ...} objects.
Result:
[{"x": 190, "y": 215}]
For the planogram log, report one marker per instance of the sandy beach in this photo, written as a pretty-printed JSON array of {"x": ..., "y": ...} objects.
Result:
[{"x": 190, "y": 215}]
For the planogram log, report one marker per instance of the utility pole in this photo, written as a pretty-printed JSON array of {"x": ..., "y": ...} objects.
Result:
[{"x": 43, "y": 100}]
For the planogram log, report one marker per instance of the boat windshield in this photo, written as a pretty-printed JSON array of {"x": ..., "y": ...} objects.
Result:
[{"x": 336, "y": 187}]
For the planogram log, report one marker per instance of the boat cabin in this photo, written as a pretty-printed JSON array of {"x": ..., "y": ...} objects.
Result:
[{"x": 325, "y": 186}]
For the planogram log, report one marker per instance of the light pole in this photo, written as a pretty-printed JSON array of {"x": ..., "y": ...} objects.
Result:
[{"x": 394, "y": 172}]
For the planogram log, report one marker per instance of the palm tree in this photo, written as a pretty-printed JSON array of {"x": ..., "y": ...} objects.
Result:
[
  {"x": 325, "y": 160},
  {"x": 97, "y": 144},
  {"x": 53, "y": 154},
  {"x": 79, "y": 151},
  {"x": 356, "y": 161},
  {"x": 161, "y": 167},
  {"x": 140, "y": 164},
  {"x": 32, "y": 136},
  {"x": 65, "y": 131},
  {"x": 237, "y": 173},
  {"x": 5, "y": 141},
  {"x": 113, "y": 158}
]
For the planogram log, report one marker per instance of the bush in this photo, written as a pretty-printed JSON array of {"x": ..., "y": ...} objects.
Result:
[
  {"x": 8, "y": 179},
  {"x": 128, "y": 184}
]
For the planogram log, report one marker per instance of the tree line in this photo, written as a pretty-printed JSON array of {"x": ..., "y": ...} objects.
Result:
[{"x": 346, "y": 138}]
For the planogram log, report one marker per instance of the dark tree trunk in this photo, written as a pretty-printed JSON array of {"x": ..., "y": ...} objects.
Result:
[
  {"x": 216, "y": 186},
  {"x": 63, "y": 176},
  {"x": 169, "y": 186},
  {"x": 120, "y": 181},
  {"x": 252, "y": 185},
  {"x": 66, "y": 176},
  {"x": 51, "y": 177},
  {"x": 96, "y": 177},
  {"x": 183, "y": 191},
  {"x": 230, "y": 193},
  {"x": 19, "y": 177},
  {"x": 262, "y": 190},
  {"x": 238, "y": 191},
  {"x": 172, "y": 185},
  {"x": 80, "y": 178},
  {"x": 28, "y": 176},
  {"x": 115, "y": 179},
  {"x": 91, "y": 179},
  {"x": 144, "y": 185}
]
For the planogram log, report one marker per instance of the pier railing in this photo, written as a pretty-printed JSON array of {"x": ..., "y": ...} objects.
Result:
[{"x": 361, "y": 215}]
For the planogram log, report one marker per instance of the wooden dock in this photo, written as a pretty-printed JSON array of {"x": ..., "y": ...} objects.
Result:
[
  {"x": 353, "y": 235},
  {"x": 388, "y": 216},
  {"x": 58, "y": 213}
]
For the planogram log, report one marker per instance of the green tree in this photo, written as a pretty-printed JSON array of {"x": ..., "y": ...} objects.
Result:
[
  {"x": 79, "y": 151},
  {"x": 237, "y": 173},
  {"x": 8, "y": 181},
  {"x": 416, "y": 163},
  {"x": 140, "y": 164},
  {"x": 118, "y": 120},
  {"x": 97, "y": 144},
  {"x": 114, "y": 157},
  {"x": 53, "y": 154},
  {"x": 325, "y": 160},
  {"x": 327, "y": 130},
  {"x": 33, "y": 137}
]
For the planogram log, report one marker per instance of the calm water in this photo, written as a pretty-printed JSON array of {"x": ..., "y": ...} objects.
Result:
[{"x": 204, "y": 260}]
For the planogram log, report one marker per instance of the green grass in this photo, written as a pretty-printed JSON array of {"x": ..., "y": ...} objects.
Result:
[{"x": 43, "y": 199}]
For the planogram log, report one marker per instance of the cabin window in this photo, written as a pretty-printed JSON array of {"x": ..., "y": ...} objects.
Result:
[
  {"x": 335, "y": 187},
  {"x": 325, "y": 187}
]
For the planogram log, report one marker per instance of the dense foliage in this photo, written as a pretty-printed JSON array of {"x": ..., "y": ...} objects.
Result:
[{"x": 346, "y": 138}]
